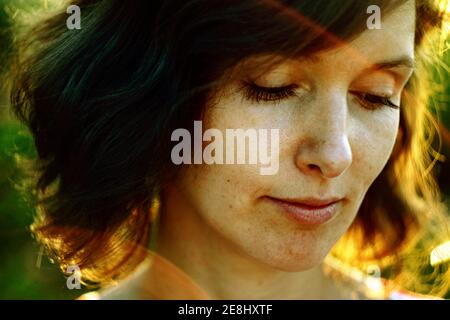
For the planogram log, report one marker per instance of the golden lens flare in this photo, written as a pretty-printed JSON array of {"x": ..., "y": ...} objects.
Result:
[{"x": 440, "y": 254}]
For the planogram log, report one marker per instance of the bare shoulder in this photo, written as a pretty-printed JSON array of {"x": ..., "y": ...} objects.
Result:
[
  {"x": 155, "y": 279},
  {"x": 125, "y": 289}
]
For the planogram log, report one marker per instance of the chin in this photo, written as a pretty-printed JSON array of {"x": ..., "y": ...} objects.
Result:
[
  {"x": 292, "y": 260},
  {"x": 298, "y": 266}
]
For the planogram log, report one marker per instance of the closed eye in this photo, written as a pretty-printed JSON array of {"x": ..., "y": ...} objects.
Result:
[
  {"x": 257, "y": 93},
  {"x": 373, "y": 102}
]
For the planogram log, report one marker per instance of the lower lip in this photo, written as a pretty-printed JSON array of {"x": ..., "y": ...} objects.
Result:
[{"x": 308, "y": 215}]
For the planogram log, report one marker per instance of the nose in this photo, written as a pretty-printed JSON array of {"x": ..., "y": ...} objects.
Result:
[{"x": 324, "y": 149}]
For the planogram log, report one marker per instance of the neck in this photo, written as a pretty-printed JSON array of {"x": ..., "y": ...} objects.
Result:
[{"x": 221, "y": 268}]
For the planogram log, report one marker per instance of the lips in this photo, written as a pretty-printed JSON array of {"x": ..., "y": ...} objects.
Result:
[{"x": 309, "y": 211}]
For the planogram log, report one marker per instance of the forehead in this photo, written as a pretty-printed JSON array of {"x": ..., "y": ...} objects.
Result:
[{"x": 395, "y": 39}]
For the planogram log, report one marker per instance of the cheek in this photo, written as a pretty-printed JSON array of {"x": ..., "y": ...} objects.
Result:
[
  {"x": 373, "y": 139},
  {"x": 225, "y": 194},
  {"x": 217, "y": 183},
  {"x": 222, "y": 194}
]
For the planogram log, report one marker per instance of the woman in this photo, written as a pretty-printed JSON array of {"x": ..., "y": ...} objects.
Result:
[{"x": 346, "y": 92}]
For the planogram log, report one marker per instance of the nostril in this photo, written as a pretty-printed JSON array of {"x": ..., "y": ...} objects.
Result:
[
  {"x": 313, "y": 167},
  {"x": 327, "y": 159}
]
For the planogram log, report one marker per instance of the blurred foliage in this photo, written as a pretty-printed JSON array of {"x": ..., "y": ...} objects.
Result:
[
  {"x": 23, "y": 273},
  {"x": 441, "y": 103},
  {"x": 5, "y": 35},
  {"x": 20, "y": 275}
]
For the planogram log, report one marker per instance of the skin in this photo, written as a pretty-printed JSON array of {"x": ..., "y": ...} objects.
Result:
[{"x": 217, "y": 224}]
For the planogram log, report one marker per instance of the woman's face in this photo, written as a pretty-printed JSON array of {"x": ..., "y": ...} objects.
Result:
[{"x": 336, "y": 135}]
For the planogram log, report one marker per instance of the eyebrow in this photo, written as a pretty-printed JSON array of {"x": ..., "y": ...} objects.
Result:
[
  {"x": 402, "y": 61},
  {"x": 405, "y": 61}
]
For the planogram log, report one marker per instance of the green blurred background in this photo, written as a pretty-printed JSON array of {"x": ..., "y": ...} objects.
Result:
[{"x": 24, "y": 273}]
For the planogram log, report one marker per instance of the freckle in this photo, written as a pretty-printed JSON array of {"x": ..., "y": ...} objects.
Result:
[
  {"x": 228, "y": 180},
  {"x": 230, "y": 206}
]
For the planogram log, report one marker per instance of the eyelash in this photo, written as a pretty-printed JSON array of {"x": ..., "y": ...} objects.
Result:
[
  {"x": 372, "y": 102},
  {"x": 273, "y": 94},
  {"x": 276, "y": 94}
]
